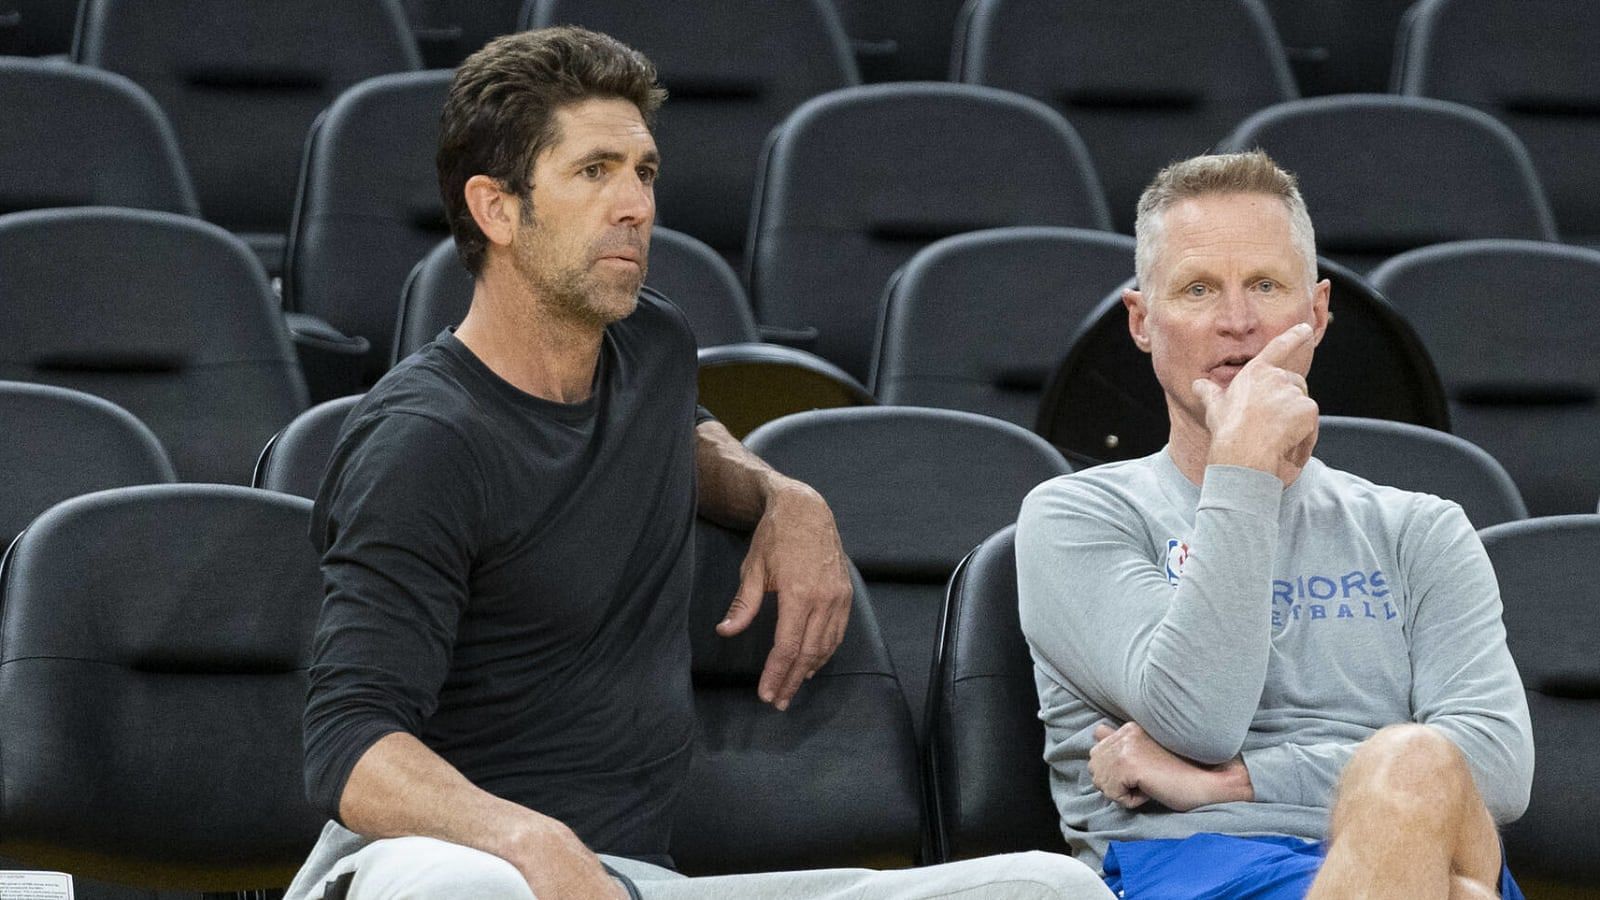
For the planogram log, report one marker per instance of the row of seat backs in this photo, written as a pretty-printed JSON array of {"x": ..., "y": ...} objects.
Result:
[
  {"x": 987, "y": 777},
  {"x": 151, "y": 689},
  {"x": 826, "y": 233},
  {"x": 1532, "y": 66}
]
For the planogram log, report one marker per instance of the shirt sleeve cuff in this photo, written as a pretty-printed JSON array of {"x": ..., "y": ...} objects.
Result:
[{"x": 1241, "y": 488}]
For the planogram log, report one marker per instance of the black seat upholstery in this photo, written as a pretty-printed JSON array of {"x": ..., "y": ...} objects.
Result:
[
  {"x": 833, "y": 781},
  {"x": 52, "y": 156},
  {"x": 1382, "y": 175},
  {"x": 1422, "y": 459},
  {"x": 749, "y": 384},
  {"x": 1104, "y": 402},
  {"x": 242, "y": 81},
  {"x": 295, "y": 458},
  {"x": 36, "y": 27},
  {"x": 153, "y": 656},
  {"x": 913, "y": 491},
  {"x": 733, "y": 72},
  {"x": 1547, "y": 585},
  {"x": 979, "y": 321},
  {"x": 857, "y": 181},
  {"x": 1135, "y": 118},
  {"x": 1339, "y": 46},
  {"x": 58, "y": 443},
  {"x": 165, "y": 315},
  {"x": 448, "y": 30},
  {"x": 901, "y": 40},
  {"x": 1543, "y": 82},
  {"x": 369, "y": 207},
  {"x": 988, "y": 785},
  {"x": 1502, "y": 321}
]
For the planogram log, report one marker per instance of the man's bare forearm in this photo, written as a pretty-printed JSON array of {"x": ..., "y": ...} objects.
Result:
[
  {"x": 400, "y": 788},
  {"x": 734, "y": 484}
]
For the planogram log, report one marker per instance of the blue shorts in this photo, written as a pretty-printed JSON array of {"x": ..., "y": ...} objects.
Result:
[{"x": 1224, "y": 867}]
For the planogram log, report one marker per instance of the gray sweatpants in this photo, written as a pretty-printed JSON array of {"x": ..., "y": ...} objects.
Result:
[{"x": 428, "y": 869}]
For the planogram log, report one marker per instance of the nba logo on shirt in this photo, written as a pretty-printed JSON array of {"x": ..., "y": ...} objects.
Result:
[{"x": 1177, "y": 555}]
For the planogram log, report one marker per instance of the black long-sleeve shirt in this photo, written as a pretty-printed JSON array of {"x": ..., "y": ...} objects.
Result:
[{"x": 507, "y": 579}]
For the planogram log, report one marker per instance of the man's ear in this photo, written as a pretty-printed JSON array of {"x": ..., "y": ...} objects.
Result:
[
  {"x": 493, "y": 209},
  {"x": 1320, "y": 314},
  {"x": 1137, "y": 319}
]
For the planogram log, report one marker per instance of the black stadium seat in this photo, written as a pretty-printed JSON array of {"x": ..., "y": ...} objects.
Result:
[
  {"x": 448, "y": 30},
  {"x": 1547, "y": 584},
  {"x": 368, "y": 209},
  {"x": 1126, "y": 75},
  {"x": 165, "y": 315},
  {"x": 857, "y": 181},
  {"x": 988, "y": 785},
  {"x": 1415, "y": 458},
  {"x": 732, "y": 71},
  {"x": 901, "y": 40},
  {"x": 1531, "y": 64},
  {"x": 296, "y": 457},
  {"x": 241, "y": 81},
  {"x": 832, "y": 781},
  {"x": 913, "y": 490},
  {"x": 1509, "y": 324},
  {"x": 1104, "y": 403},
  {"x": 153, "y": 658},
  {"x": 1382, "y": 175},
  {"x": 57, "y": 443},
  {"x": 80, "y": 137},
  {"x": 1339, "y": 46},
  {"x": 979, "y": 321}
]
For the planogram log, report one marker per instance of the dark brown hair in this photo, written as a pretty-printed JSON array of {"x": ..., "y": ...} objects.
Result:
[{"x": 500, "y": 113}]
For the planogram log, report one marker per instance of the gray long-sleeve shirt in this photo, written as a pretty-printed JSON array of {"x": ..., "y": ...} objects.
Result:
[{"x": 1243, "y": 618}]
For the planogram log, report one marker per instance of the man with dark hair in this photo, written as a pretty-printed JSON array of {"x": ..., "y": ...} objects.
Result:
[
  {"x": 1239, "y": 651},
  {"x": 500, "y": 702}
]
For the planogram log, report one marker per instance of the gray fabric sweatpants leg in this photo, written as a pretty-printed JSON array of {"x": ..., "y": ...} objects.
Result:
[{"x": 417, "y": 868}]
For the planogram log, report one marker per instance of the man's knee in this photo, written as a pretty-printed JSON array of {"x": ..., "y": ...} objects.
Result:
[
  {"x": 1409, "y": 771},
  {"x": 1054, "y": 876},
  {"x": 421, "y": 868}
]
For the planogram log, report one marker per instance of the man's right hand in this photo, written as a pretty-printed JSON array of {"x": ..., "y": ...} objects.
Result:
[
  {"x": 1265, "y": 418},
  {"x": 557, "y": 865}
]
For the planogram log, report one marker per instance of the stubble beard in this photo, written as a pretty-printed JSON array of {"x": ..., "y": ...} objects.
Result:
[{"x": 573, "y": 293}]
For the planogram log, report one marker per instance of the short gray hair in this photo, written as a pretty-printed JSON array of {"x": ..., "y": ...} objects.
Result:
[{"x": 1252, "y": 172}]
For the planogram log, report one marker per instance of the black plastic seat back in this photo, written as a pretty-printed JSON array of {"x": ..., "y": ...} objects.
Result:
[
  {"x": 1135, "y": 117},
  {"x": 242, "y": 81},
  {"x": 1339, "y": 46},
  {"x": 80, "y": 137},
  {"x": 368, "y": 208},
  {"x": 733, "y": 71},
  {"x": 989, "y": 787},
  {"x": 154, "y": 643},
  {"x": 750, "y": 384},
  {"x": 1422, "y": 459},
  {"x": 167, "y": 316},
  {"x": 913, "y": 491},
  {"x": 1543, "y": 82},
  {"x": 447, "y": 31},
  {"x": 684, "y": 270},
  {"x": 1382, "y": 175},
  {"x": 1105, "y": 404},
  {"x": 1508, "y": 328},
  {"x": 856, "y": 182},
  {"x": 978, "y": 321},
  {"x": 58, "y": 443},
  {"x": 901, "y": 40},
  {"x": 1547, "y": 585},
  {"x": 295, "y": 458},
  {"x": 751, "y": 801}
]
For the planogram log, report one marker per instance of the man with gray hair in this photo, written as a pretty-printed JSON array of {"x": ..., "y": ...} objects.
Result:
[{"x": 1261, "y": 676}]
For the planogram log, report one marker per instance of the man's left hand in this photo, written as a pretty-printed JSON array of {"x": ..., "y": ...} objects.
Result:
[
  {"x": 794, "y": 552},
  {"x": 1129, "y": 767}
]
